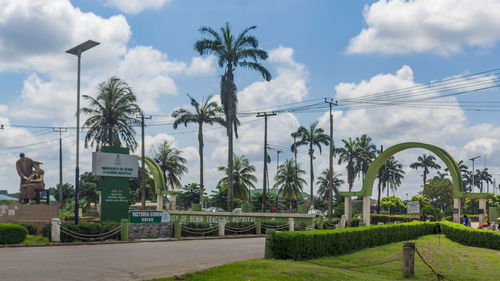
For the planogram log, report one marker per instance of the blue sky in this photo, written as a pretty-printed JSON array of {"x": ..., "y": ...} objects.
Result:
[{"x": 317, "y": 49}]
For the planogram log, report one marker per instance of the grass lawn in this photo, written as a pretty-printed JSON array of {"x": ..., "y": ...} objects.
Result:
[
  {"x": 35, "y": 239},
  {"x": 453, "y": 260}
]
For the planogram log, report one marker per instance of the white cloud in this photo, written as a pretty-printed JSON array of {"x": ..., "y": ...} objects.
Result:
[
  {"x": 443, "y": 27},
  {"x": 485, "y": 146},
  {"x": 137, "y": 6}
]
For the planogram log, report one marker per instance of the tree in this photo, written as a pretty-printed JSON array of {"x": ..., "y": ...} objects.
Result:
[
  {"x": 366, "y": 152},
  {"x": 391, "y": 175},
  {"x": 393, "y": 205},
  {"x": 208, "y": 112},
  {"x": 349, "y": 155},
  {"x": 439, "y": 192},
  {"x": 112, "y": 115},
  {"x": 190, "y": 194},
  {"x": 289, "y": 181},
  {"x": 313, "y": 137},
  {"x": 89, "y": 185},
  {"x": 68, "y": 191},
  {"x": 486, "y": 177},
  {"x": 425, "y": 162},
  {"x": 323, "y": 183},
  {"x": 232, "y": 52},
  {"x": 423, "y": 201},
  {"x": 171, "y": 163},
  {"x": 243, "y": 178}
]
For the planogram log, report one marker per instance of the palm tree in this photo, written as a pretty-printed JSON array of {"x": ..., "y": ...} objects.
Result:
[
  {"x": 349, "y": 155},
  {"x": 425, "y": 162},
  {"x": 366, "y": 153},
  {"x": 207, "y": 112},
  {"x": 112, "y": 115},
  {"x": 289, "y": 181},
  {"x": 171, "y": 163},
  {"x": 232, "y": 52},
  {"x": 485, "y": 176},
  {"x": 323, "y": 183},
  {"x": 391, "y": 175},
  {"x": 314, "y": 137},
  {"x": 243, "y": 177}
]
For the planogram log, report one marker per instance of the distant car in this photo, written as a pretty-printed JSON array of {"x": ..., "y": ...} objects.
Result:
[
  {"x": 315, "y": 212},
  {"x": 237, "y": 210},
  {"x": 213, "y": 209}
]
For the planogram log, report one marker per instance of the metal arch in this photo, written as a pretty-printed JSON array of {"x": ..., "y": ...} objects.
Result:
[{"x": 375, "y": 166}]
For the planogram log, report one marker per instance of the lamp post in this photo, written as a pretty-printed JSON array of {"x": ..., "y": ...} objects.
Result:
[
  {"x": 77, "y": 51},
  {"x": 472, "y": 174}
]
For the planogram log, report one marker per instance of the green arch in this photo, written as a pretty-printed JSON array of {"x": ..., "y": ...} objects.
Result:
[
  {"x": 156, "y": 172},
  {"x": 375, "y": 166}
]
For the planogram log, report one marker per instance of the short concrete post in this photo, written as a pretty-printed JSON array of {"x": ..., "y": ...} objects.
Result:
[
  {"x": 366, "y": 210},
  {"x": 124, "y": 230},
  {"x": 348, "y": 208},
  {"x": 456, "y": 210},
  {"x": 321, "y": 222},
  {"x": 290, "y": 224},
  {"x": 408, "y": 259},
  {"x": 482, "y": 210},
  {"x": 258, "y": 228},
  {"x": 55, "y": 234},
  {"x": 177, "y": 229},
  {"x": 222, "y": 224},
  {"x": 159, "y": 202}
]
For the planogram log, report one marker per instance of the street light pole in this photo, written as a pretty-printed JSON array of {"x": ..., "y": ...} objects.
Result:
[{"x": 77, "y": 51}]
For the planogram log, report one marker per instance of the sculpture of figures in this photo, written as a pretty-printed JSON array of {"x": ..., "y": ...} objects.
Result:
[{"x": 30, "y": 180}]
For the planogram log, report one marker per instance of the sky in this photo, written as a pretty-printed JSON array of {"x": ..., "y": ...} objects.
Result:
[{"x": 421, "y": 70}]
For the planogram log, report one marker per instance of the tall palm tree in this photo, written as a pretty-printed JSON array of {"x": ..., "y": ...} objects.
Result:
[
  {"x": 366, "y": 153},
  {"x": 232, "y": 52},
  {"x": 486, "y": 177},
  {"x": 289, "y": 181},
  {"x": 313, "y": 137},
  {"x": 112, "y": 115},
  {"x": 392, "y": 174},
  {"x": 323, "y": 183},
  {"x": 171, "y": 163},
  {"x": 243, "y": 178},
  {"x": 349, "y": 155},
  {"x": 205, "y": 113},
  {"x": 425, "y": 162}
]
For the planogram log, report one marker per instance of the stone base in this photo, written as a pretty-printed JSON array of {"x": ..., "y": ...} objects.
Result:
[
  {"x": 149, "y": 230},
  {"x": 28, "y": 214}
]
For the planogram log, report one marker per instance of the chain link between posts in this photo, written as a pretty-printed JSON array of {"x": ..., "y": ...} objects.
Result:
[{"x": 88, "y": 237}]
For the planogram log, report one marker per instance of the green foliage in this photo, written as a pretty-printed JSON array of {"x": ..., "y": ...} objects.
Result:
[
  {"x": 439, "y": 192},
  {"x": 421, "y": 200},
  {"x": 171, "y": 163},
  {"x": 257, "y": 197},
  {"x": 88, "y": 228},
  {"x": 318, "y": 243},
  {"x": 190, "y": 194},
  {"x": 11, "y": 233},
  {"x": 376, "y": 218},
  {"x": 472, "y": 237},
  {"x": 46, "y": 230},
  {"x": 237, "y": 228},
  {"x": 432, "y": 211},
  {"x": 32, "y": 230},
  {"x": 243, "y": 177},
  {"x": 196, "y": 229},
  {"x": 393, "y": 204},
  {"x": 68, "y": 191}
]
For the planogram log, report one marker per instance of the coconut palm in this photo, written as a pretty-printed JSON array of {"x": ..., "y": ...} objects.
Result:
[
  {"x": 313, "y": 137},
  {"x": 349, "y": 155},
  {"x": 232, "y": 52},
  {"x": 289, "y": 181},
  {"x": 391, "y": 175},
  {"x": 208, "y": 112},
  {"x": 366, "y": 152},
  {"x": 112, "y": 115},
  {"x": 323, "y": 183},
  {"x": 243, "y": 178},
  {"x": 171, "y": 163},
  {"x": 425, "y": 162},
  {"x": 486, "y": 177}
]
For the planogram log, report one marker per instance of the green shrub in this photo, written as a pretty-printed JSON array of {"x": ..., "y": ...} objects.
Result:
[
  {"x": 376, "y": 218},
  {"x": 11, "y": 233},
  {"x": 32, "y": 230},
  {"x": 318, "y": 243},
  {"x": 87, "y": 228},
  {"x": 471, "y": 237},
  {"x": 237, "y": 226},
  {"x": 198, "y": 229},
  {"x": 330, "y": 223},
  {"x": 472, "y": 218},
  {"x": 46, "y": 231}
]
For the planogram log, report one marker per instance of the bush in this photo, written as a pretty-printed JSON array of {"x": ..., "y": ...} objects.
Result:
[
  {"x": 11, "y": 233},
  {"x": 376, "y": 218},
  {"x": 46, "y": 231},
  {"x": 471, "y": 237},
  {"x": 318, "y": 243},
  {"x": 239, "y": 225},
  {"x": 88, "y": 228},
  {"x": 198, "y": 229},
  {"x": 32, "y": 230},
  {"x": 472, "y": 218},
  {"x": 330, "y": 224}
]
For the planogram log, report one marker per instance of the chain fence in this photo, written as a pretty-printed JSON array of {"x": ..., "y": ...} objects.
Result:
[{"x": 90, "y": 237}]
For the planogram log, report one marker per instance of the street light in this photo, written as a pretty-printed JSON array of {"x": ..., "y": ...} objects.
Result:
[
  {"x": 77, "y": 51},
  {"x": 473, "y": 178}
]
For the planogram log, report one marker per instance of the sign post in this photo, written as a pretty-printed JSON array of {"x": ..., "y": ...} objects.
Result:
[{"x": 413, "y": 207}]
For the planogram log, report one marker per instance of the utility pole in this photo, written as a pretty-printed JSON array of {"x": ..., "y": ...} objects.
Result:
[
  {"x": 330, "y": 174},
  {"x": 473, "y": 182},
  {"x": 60, "y": 131},
  {"x": 143, "y": 162},
  {"x": 278, "y": 160},
  {"x": 265, "y": 115}
]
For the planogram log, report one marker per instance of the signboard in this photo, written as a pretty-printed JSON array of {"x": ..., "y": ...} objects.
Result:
[
  {"x": 413, "y": 207},
  {"x": 148, "y": 216},
  {"x": 114, "y": 165}
]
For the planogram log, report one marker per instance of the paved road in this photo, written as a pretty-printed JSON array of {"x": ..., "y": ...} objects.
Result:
[{"x": 134, "y": 261}]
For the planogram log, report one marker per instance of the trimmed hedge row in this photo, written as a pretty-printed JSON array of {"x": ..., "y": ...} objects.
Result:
[
  {"x": 313, "y": 244},
  {"x": 376, "y": 218},
  {"x": 11, "y": 233},
  {"x": 471, "y": 237}
]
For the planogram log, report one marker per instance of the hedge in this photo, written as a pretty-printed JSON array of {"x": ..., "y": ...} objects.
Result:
[
  {"x": 318, "y": 243},
  {"x": 88, "y": 228},
  {"x": 11, "y": 233},
  {"x": 376, "y": 218},
  {"x": 471, "y": 237}
]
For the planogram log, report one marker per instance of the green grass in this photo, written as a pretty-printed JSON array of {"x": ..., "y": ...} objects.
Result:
[
  {"x": 35, "y": 239},
  {"x": 453, "y": 260}
]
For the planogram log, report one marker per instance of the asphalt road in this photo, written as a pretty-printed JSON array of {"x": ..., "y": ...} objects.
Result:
[{"x": 131, "y": 261}]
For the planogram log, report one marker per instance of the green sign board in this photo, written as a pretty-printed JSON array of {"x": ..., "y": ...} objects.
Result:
[
  {"x": 148, "y": 216},
  {"x": 115, "y": 192}
]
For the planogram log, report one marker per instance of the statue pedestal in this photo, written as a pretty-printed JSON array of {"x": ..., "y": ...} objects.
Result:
[{"x": 28, "y": 214}]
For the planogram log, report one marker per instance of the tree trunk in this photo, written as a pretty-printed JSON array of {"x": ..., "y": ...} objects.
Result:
[
  {"x": 200, "y": 147},
  {"x": 229, "y": 126},
  {"x": 311, "y": 151},
  {"x": 425, "y": 179},
  {"x": 387, "y": 189}
]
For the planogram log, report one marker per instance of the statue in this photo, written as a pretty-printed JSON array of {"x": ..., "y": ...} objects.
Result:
[{"x": 31, "y": 180}]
